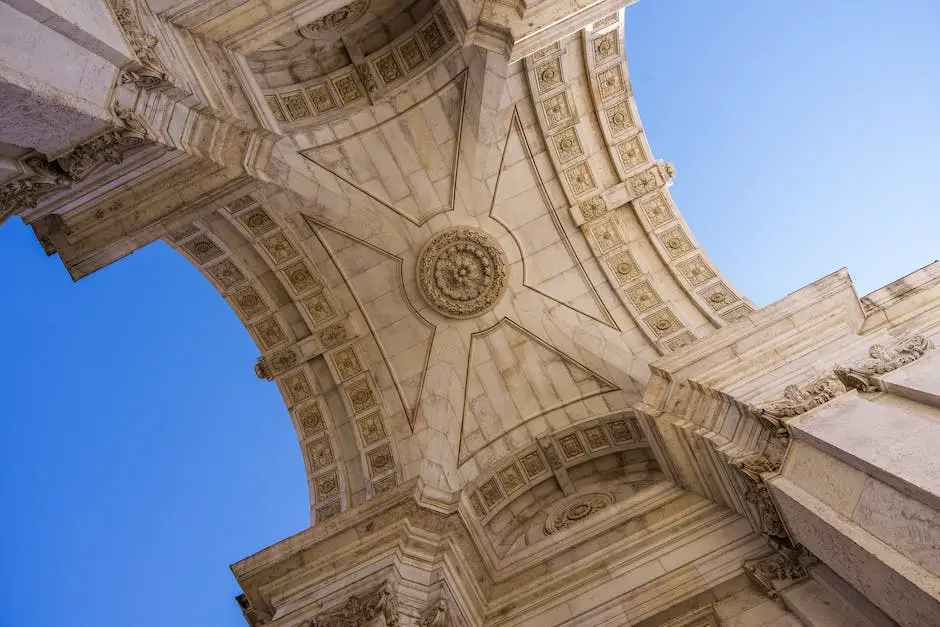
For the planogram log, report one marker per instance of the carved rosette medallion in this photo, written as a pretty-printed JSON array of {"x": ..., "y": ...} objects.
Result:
[
  {"x": 577, "y": 511},
  {"x": 462, "y": 272}
]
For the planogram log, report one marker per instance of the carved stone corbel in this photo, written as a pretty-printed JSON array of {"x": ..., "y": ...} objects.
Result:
[
  {"x": 360, "y": 610},
  {"x": 757, "y": 493},
  {"x": 798, "y": 400},
  {"x": 860, "y": 375},
  {"x": 253, "y": 616},
  {"x": 436, "y": 616},
  {"x": 43, "y": 177},
  {"x": 779, "y": 570},
  {"x": 261, "y": 370},
  {"x": 149, "y": 72}
]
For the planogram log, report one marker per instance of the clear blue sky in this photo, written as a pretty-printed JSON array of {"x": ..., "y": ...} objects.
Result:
[{"x": 140, "y": 456}]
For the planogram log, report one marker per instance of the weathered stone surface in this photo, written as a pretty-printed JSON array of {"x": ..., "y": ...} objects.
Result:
[{"x": 523, "y": 393}]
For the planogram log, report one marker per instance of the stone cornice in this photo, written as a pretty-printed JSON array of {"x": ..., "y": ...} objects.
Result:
[
  {"x": 377, "y": 538},
  {"x": 838, "y": 284}
]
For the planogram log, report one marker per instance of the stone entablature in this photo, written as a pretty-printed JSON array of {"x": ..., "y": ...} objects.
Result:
[{"x": 422, "y": 552}]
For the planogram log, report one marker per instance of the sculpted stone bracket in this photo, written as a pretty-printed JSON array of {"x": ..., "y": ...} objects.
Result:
[
  {"x": 860, "y": 375},
  {"x": 253, "y": 616},
  {"x": 44, "y": 177},
  {"x": 436, "y": 616},
  {"x": 149, "y": 72},
  {"x": 779, "y": 570},
  {"x": 752, "y": 469},
  {"x": 360, "y": 610}
]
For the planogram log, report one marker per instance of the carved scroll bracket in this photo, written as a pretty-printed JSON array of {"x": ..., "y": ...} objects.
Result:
[
  {"x": 44, "y": 177},
  {"x": 753, "y": 468},
  {"x": 436, "y": 616},
  {"x": 781, "y": 569},
  {"x": 861, "y": 375},
  {"x": 149, "y": 72},
  {"x": 360, "y": 610}
]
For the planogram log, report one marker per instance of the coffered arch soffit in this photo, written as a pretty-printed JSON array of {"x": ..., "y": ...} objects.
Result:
[{"x": 546, "y": 158}]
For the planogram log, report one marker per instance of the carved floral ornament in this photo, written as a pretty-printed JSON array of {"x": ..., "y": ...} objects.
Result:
[
  {"x": 577, "y": 511},
  {"x": 784, "y": 567},
  {"x": 358, "y": 610},
  {"x": 336, "y": 20},
  {"x": 48, "y": 176},
  {"x": 859, "y": 375},
  {"x": 462, "y": 272},
  {"x": 151, "y": 71},
  {"x": 758, "y": 494},
  {"x": 436, "y": 616}
]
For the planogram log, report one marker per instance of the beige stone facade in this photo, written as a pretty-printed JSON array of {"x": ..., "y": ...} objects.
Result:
[{"x": 523, "y": 393}]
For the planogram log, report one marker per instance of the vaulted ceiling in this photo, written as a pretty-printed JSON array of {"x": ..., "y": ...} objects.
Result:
[{"x": 457, "y": 262}]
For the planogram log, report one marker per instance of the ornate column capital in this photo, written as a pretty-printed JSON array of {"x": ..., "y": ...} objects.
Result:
[
  {"x": 360, "y": 610},
  {"x": 43, "y": 177}
]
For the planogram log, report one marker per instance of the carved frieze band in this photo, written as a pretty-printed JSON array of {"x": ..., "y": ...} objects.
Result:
[
  {"x": 585, "y": 170},
  {"x": 860, "y": 375},
  {"x": 337, "y": 343},
  {"x": 282, "y": 359},
  {"x": 45, "y": 177}
]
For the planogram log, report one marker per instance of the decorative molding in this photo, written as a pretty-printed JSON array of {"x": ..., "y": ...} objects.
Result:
[
  {"x": 577, "y": 511},
  {"x": 45, "y": 177},
  {"x": 337, "y": 20},
  {"x": 757, "y": 493},
  {"x": 860, "y": 375},
  {"x": 151, "y": 72},
  {"x": 436, "y": 616},
  {"x": 462, "y": 272},
  {"x": 360, "y": 610},
  {"x": 779, "y": 570},
  {"x": 798, "y": 400}
]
